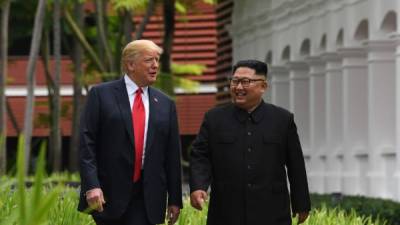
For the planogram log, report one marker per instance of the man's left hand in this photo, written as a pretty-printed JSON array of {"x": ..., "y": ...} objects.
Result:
[
  {"x": 173, "y": 214},
  {"x": 302, "y": 216}
]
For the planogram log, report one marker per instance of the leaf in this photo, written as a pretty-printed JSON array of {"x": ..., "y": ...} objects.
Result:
[
  {"x": 39, "y": 176},
  {"x": 129, "y": 4},
  {"x": 11, "y": 219},
  {"x": 211, "y": 2},
  {"x": 186, "y": 84},
  {"x": 46, "y": 203},
  {"x": 180, "y": 7},
  {"x": 188, "y": 69},
  {"x": 21, "y": 180}
]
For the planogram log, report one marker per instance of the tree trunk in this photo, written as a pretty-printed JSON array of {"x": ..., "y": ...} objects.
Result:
[
  {"x": 30, "y": 77},
  {"x": 77, "y": 55},
  {"x": 146, "y": 19},
  {"x": 128, "y": 26},
  {"x": 5, "y": 10},
  {"x": 124, "y": 35},
  {"x": 78, "y": 34},
  {"x": 169, "y": 28},
  {"x": 55, "y": 131},
  {"x": 45, "y": 57},
  {"x": 12, "y": 118},
  {"x": 102, "y": 34}
]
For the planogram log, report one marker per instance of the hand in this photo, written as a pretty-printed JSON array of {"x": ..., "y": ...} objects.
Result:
[
  {"x": 302, "y": 216},
  {"x": 95, "y": 199},
  {"x": 173, "y": 214},
  {"x": 197, "y": 199}
]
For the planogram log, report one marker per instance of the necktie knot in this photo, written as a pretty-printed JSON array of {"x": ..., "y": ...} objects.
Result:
[{"x": 139, "y": 91}]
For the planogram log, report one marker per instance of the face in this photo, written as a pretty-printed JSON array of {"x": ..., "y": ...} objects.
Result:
[
  {"x": 247, "y": 97},
  {"x": 144, "y": 69}
]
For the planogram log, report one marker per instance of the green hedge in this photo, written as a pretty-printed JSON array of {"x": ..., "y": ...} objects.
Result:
[{"x": 374, "y": 207}]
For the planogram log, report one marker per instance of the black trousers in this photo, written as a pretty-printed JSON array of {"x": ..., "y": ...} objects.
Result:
[{"x": 135, "y": 213}]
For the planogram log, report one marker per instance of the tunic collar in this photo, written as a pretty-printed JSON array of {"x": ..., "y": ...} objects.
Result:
[{"x": 256, "y": 115}]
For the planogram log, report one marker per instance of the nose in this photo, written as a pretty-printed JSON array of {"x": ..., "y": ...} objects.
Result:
[
  {"x": 155, "y": 64},
  {"x": 239, "y": 85}
]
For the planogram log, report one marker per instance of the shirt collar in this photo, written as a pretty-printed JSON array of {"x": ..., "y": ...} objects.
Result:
[{"x": 131, "y": 87}]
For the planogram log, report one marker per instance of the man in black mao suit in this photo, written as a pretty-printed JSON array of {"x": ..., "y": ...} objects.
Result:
[
  {"x": 130, "y": 148},
  {"x": 246, "y": 151}
]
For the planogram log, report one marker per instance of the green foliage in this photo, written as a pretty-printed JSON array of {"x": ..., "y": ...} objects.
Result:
[
  {"x": 180, "y": 8},
  {"x": 41, "y": 204},
  {"x": 321, "y": 216},
  {"x": 337, "y": 216},
  {"x": 43, "y": 119},
  {"x": 186, "y": 84},
  {"x": 29, "y": 206},
  {"x": 211, "y": 2},
  {"x": 187, "y": 69},
  {"x": 129, "y": 4},
  {"x": 26, "y": 12},
  {"x": 65, "y": 211},
  {"x": 167, "y": 82},
  {"x": 374, "y": 207}
]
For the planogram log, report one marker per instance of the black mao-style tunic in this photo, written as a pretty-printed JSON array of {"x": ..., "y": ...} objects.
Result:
[{"x": 247, "y": 159}]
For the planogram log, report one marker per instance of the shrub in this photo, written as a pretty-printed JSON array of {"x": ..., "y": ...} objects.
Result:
[{"x": 374, "y": 207}]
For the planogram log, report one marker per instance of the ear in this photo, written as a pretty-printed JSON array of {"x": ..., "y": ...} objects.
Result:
[
  {"x": 264, "y": 87},
  {"x": 130, "y": 65}
]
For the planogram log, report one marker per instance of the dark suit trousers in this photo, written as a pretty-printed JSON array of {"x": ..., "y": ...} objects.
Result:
[{"x": 135, "y": 213}]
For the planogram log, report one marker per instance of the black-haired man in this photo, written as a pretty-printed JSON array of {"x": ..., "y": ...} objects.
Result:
[{"x": 247, "y": 151}]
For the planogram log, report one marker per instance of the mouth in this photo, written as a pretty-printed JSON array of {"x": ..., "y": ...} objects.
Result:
[
  {"x": 153, "y": 74},
  {"x": 240, "y": 94}
]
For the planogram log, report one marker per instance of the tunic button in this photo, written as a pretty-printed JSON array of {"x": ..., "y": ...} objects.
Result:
[
  {"x": 249, "y": 149},
  {"x": 249, "y": 185},
  {"x": 249, "y": 167},
  {"x": 249, "y": 133}
]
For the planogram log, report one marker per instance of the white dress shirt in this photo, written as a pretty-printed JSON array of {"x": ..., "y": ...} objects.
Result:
[{"x": 131, "y": 88}]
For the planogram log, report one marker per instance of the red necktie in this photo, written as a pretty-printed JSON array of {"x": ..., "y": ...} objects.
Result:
[{"x": 139, "y": 117}]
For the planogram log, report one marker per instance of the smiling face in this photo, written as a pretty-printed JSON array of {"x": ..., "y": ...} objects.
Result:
[
  {"x": 143, "y": 69},
  {"x": 249, "y": 97}
]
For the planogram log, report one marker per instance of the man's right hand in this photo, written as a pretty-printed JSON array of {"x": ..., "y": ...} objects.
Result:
[
  {"x": 197, "y": 199},
  {"x": 95, "y": 199}
]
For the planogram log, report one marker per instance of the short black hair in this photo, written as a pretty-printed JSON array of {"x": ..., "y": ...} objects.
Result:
[{"x": 261, "y": 68}]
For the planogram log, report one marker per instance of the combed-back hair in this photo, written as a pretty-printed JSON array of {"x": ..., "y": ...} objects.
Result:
[{"x": 259, "y": 67}]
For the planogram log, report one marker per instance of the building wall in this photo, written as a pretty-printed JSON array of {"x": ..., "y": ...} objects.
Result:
[
  {"x": 336, "y": 66},
  {"x": 224, "y": 11}
]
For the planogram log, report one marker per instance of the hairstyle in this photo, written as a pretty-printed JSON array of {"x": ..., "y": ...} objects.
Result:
[
  {"x": 260, "y": 68},
  {"x": 134, "y": 48}
]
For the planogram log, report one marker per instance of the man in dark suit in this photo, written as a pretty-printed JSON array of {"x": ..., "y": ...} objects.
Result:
[
  {"x": 130, "y": 148},
  {"x": 246, "y": 151}
]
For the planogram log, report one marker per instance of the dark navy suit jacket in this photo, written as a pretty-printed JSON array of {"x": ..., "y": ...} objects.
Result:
[{"x": 107, "y": 151}]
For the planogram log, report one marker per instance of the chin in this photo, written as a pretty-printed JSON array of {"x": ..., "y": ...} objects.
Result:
[
  {"x": 239, "y": 103},
  {"x": 151, "y": 80}
]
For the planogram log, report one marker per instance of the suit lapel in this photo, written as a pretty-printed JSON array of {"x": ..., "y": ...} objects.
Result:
[
  {"x": 124, "y": 106},
  {"x": 153, "y": 108}
]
